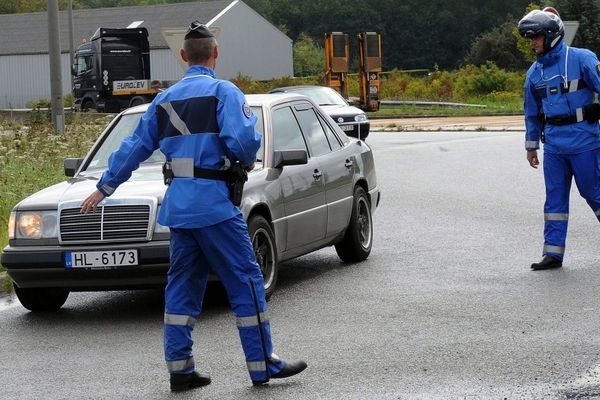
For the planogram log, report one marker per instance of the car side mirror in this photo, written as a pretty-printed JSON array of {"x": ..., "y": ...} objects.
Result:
[
  {"x": 289, "y": 157},
  {"x": 72, "y": 166}
]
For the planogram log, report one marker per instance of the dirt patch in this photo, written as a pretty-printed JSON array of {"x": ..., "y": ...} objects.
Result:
[{"x": 489, "y": 123}]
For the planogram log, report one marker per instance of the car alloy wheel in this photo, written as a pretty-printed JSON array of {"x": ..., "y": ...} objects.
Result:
[
  {"x": 263, "y": 242},
  {"x": 358, "y": 239}
]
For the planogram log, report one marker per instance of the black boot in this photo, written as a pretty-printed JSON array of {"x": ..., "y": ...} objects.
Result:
[
  {"x": 289, "y": 369},
  {"x": 547, "y": 263},
  {"x": 181, "y": 382}
]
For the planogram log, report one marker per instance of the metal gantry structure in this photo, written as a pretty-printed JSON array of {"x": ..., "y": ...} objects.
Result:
[{"x": 369, "y": 66}]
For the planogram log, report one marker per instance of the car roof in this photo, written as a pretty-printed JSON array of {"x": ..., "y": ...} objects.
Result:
[
  {"x": 267, "y": 99},
  {"x": 271, "y": 99},
  {"x": 286, "y": 88}
]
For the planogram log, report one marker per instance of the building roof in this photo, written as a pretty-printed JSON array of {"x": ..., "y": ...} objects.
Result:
[{"x": 28, "y": 33}]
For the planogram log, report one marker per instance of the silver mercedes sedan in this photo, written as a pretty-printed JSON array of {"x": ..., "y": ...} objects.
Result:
[{"x": 312, "y": 187}]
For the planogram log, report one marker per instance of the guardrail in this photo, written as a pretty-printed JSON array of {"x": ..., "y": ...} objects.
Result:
[{"x": 396, "y": 103}]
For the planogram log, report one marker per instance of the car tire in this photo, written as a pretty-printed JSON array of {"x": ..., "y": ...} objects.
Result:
[
  {"x": 358, "y": 239},
  {"x": 263, "y": 242},
  {"x": 42, "y": 299}
]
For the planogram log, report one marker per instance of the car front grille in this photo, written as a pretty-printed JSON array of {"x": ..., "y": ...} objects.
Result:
[{"x": 111, "y": 223}]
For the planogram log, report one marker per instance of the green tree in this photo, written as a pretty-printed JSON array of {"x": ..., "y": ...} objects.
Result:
[
  {"x": 498, "y": 46},
  {"x": 308, "y": 57},
  {"x": 524, "y": 44},
  {"x": 587, "y": 12},
  {"x": 9, "y": 6}
]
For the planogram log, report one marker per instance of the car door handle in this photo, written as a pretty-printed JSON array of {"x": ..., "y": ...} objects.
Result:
[
  {"x": 317, "y": 174},
  {"x": 348, "y": 163}
]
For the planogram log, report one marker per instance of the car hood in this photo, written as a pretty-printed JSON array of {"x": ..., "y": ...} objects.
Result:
[
  {"x": 342, "y": 110},
  {"x": 144, "y": 182}
]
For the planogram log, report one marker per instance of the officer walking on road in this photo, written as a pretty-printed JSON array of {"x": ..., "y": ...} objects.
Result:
[
  {"x": 202, "y": 125},
  {"x": 560, "y": 112}
]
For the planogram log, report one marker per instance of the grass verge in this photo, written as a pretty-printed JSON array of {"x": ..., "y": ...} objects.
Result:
[{"x": 32, "y": 154}]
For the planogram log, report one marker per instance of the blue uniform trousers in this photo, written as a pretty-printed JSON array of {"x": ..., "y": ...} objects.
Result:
[
  {"x": 226, "y": 250},
  {"x": 559, "y": 170}
]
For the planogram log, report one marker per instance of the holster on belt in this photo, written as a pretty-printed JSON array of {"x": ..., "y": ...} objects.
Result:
[
  {"x": 591, "y": 112},
  {"x": 237, "y": 178}
]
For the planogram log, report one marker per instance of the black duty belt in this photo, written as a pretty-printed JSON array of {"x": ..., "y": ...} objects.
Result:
[
  {"x": 205, "y": 173},
  {"x": 561, "y": 120},
  {"x": 589, "y": 113}
]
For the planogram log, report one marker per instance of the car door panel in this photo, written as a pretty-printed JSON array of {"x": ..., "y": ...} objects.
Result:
[{"x": 302, "y": 192}]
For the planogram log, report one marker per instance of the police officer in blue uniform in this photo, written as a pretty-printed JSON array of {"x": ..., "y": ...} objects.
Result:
[
  {"x": 560, "y": 112},
  {"x": 202, "y": 125}
]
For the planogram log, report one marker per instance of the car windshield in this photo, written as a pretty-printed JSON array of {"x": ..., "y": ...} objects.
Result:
[
  {"x": 125, "y": 126},
  {"x": 322, "y": 95}
]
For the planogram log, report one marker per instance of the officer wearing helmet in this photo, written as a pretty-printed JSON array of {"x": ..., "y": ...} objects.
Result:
[
  {"x": 560, "y": 111},
  {"x": 202, "y": 125}
]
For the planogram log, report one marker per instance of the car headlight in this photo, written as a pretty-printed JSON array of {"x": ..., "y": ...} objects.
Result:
[
  {"x": 35, "y": 225},
  {"x": 360, "y": 118},
  {"x": 11, "y": 225}
]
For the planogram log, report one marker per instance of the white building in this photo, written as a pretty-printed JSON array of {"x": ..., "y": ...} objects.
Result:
[{"x": 249, "y": 44}]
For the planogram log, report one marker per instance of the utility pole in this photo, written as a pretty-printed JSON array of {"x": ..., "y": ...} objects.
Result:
[
  {"x": 58, "y": 120},
  {"x": 71, "y": 46}
]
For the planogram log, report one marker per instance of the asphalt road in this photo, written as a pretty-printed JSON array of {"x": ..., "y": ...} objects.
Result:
[{"x": 446, "y": 307}]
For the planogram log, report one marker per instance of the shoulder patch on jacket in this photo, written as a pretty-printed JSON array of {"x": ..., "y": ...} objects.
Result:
[{"x": 247, "y": 110}]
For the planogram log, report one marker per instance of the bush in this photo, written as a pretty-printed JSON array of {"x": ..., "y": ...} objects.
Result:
[{"x": 486, "y": 79}]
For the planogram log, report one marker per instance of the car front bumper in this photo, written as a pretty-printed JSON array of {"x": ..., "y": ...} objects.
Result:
[
  {"x": 357, "y": 129},
  {"x": 44, "y": 266}
]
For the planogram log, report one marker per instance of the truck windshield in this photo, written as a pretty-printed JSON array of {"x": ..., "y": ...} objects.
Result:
[
  {"x": 83, "y": 64},
  {"x": 123, "y": 128}
]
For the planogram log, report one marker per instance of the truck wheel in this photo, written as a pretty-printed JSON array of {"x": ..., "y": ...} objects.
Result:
[
  {"x": 42, "y": 299},
  {"x": 263, "y": 241},
  {"x": 358, "y": 239},
  {"x": 87, "y": 105},
  {"x": 137, "y": 101}
]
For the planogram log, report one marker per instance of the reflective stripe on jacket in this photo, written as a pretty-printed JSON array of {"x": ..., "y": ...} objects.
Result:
[
  {"x": 201, "y": 118},
  {"x": 560, "y": 84}
]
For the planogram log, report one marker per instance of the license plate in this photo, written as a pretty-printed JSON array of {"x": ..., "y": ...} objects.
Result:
[
  {"x": 347, "y": 127},
  {"x": 100, "y": 259}
]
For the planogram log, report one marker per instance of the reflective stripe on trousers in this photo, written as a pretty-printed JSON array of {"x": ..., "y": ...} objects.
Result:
[
  {"x": 559, "y": 171},
  {"x": 226, "y": 250}
]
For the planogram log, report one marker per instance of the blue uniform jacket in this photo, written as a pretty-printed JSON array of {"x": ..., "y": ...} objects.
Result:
[
  {"x": 559, "y": 84},
  {"x": 199, "y": 118}
]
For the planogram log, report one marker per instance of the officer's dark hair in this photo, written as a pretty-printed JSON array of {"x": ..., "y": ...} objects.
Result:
[
  {"x": 199, "y": 50},
  {"x": 199, "y": 42}
]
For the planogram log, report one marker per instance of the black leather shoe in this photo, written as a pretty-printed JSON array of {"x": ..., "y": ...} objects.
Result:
[
  {"x": 181, "y": 382},
  {"x": 547, "y": 263},
  {"x": 289, "y": 369}
]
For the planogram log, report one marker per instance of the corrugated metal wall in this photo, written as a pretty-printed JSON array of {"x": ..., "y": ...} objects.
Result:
[
  {"x": 26, "y": 78},
  {"x": 164, "y": 66},
  {"x": 249, "y": 45}
]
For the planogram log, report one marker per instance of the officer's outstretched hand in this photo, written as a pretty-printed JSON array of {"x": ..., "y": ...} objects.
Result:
[
  {"x": 532, "y": 157},
  {"x": 249, "y": 167},
  {"x": 91, "y": 202}
]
